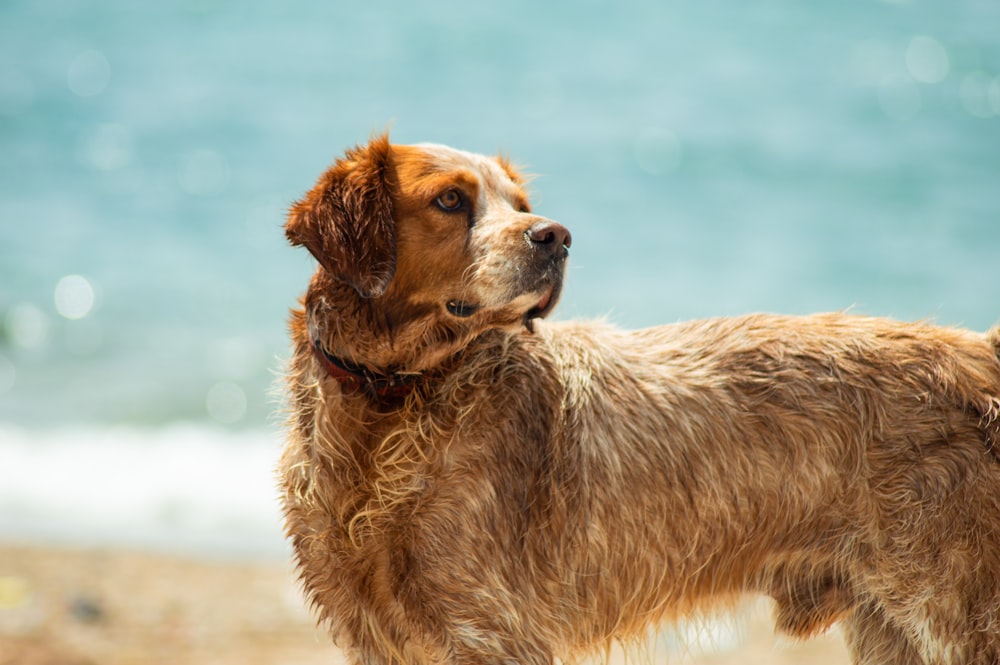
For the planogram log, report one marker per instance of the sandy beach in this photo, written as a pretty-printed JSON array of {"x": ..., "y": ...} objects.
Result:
[
  {"x": 110, "y": 607},
  {"x": 62, "y": 606}
]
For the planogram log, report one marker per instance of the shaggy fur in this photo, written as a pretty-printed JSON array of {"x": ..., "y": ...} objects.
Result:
[{"x": 542, "y": 489}]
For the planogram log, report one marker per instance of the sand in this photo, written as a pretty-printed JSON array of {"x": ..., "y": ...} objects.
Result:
[
  {"x": 61, "y": 606},
  {"x": 110, "y": 607}
]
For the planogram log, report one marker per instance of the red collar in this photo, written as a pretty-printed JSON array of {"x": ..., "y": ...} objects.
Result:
[{"x": 357, "y": 378}]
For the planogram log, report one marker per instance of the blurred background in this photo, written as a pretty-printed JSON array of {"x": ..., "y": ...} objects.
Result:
[{"x": 709, "y": 157}]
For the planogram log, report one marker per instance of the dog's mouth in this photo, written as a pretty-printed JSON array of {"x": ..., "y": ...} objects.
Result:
[
  {"x": 464, "y": 309},
  {"x": 548, "y": 302},
  {"x": 545, "y": 305}
]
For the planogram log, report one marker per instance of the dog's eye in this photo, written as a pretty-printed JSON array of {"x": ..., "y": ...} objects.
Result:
[{"x": 450, "y": 201}]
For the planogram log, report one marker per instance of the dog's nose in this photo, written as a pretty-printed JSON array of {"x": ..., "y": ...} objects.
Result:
[{"x": 549, "y": 235}]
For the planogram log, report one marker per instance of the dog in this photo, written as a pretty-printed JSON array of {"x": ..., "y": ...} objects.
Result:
[{"x": 466, "y": 482}]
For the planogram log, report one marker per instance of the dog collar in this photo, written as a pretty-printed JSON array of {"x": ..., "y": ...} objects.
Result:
[{"x": 358, "y": 378}]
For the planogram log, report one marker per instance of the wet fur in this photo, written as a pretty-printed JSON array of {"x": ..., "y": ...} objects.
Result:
[{"x": 542, "y": 493}]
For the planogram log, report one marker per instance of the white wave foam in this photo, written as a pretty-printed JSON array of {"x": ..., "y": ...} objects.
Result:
[{"x": 182, "y": 487}]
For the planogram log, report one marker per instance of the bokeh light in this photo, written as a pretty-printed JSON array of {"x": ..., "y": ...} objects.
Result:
[
  {"x": 226, "y": 402},
  {"x": 74, "y": 296},
  {"x": 27, "y": 326},
  {"x": 978, "y": 96},
  {"x": 89, "y": 73},
  {"x": 108, "y": 147},
  {"x": 927, "y": 60}
]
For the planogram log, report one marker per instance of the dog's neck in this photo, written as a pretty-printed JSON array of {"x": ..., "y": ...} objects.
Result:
[
  {"x": 357, "y": 341},
  {"x": 357, "y": 378}
]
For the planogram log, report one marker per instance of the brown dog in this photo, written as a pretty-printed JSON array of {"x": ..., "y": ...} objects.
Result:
[{"x": 464, "y": 484}]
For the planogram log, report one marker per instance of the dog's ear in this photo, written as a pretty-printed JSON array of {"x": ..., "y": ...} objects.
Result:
[{"x": 346, "y": 219}]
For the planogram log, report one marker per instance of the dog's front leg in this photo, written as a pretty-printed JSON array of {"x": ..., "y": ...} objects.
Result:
[{"x": 405, "y": 610}]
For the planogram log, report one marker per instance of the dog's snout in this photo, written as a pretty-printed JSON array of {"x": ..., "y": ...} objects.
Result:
[{"x": 549, "y": 235}]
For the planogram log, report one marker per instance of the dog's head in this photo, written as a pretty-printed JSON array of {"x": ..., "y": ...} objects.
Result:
[{"x": 421, "y": 248}]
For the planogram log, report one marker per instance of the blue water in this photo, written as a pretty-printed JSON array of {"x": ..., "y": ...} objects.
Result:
[{"x": 710, "y": 158}]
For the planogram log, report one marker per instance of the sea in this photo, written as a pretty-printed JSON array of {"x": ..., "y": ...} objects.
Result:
[{"x": 710, "y": 158}]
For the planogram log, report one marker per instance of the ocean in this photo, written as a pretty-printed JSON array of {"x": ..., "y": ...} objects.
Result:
[{"x": 710, "y": 158}]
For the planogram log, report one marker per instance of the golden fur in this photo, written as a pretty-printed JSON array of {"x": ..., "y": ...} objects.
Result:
[{"x": 540, "y": 489}]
